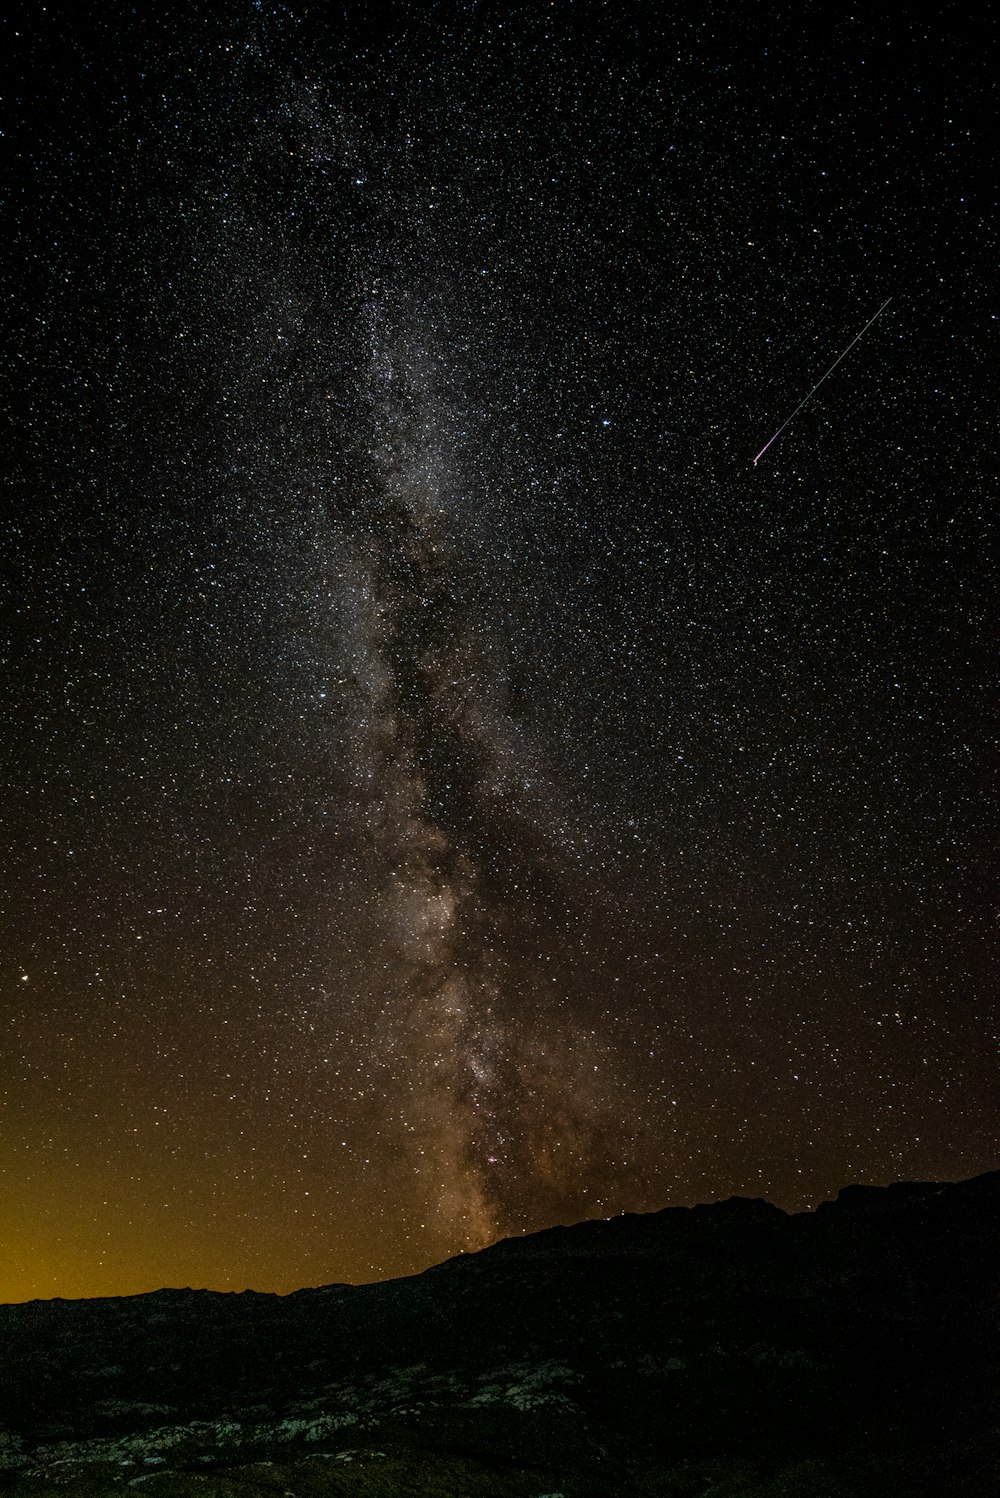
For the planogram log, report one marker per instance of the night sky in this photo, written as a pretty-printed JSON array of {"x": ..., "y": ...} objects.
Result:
[{"x": 447, "y": 788}]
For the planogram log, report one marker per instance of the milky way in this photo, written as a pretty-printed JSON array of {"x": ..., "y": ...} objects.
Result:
[
  {"x": 430, "y": 767},
  {"x": 441, "y": 765},
  {"x": 451, "y": 791}
]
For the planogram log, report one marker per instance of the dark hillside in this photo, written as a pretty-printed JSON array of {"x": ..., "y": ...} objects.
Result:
[{"x": 727, "y": 1349}]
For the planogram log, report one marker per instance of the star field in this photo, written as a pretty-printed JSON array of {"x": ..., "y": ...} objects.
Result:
[{"x": 448, "y": 789}]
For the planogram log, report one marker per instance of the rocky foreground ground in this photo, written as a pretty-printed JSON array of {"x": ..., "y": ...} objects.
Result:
[{"x": 727, "y": 1351}]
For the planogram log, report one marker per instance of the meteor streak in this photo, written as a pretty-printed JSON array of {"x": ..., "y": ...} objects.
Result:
[{"x": 819, "y": 382}]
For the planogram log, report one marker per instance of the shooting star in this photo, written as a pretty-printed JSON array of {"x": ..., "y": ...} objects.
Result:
[{"x": 819, "y": 382}]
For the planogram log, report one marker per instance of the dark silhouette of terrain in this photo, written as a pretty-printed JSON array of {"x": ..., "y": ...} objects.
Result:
[{"x": 725, "y": 1351}]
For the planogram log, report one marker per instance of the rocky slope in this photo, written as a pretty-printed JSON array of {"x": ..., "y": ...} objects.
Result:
[{"x": 699, "y": 1353}]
